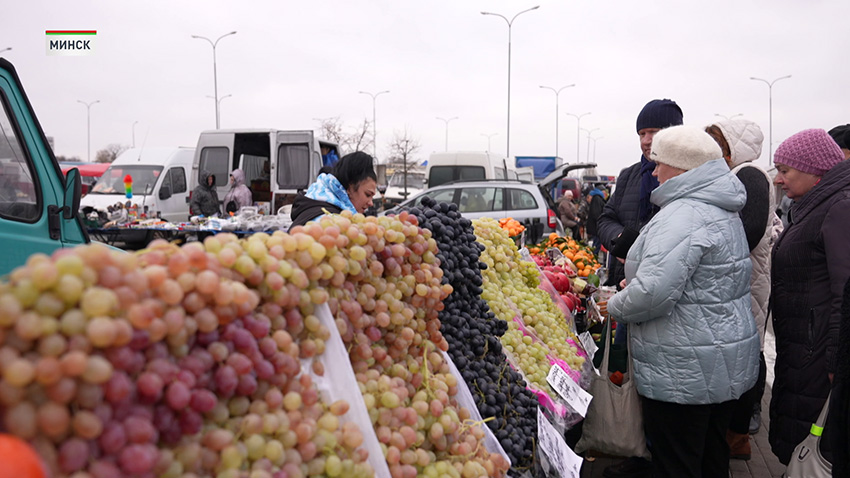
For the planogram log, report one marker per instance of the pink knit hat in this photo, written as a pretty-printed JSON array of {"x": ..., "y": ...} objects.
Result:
[{"x": 811, "y": 151}]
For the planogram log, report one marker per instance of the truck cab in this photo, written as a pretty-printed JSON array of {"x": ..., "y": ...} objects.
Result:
[
  {"x": 278, "y": 165},
  {"x": 38, "y": 204}
]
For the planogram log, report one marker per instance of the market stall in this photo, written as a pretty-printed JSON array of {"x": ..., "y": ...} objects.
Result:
[{"x": 415, "y": 345}]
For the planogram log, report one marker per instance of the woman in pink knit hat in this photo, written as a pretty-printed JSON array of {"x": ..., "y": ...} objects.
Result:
[{"x": 811, "y": 264}]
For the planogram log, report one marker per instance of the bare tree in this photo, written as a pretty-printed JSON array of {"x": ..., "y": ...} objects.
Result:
[
  {"x": 356, "y": 138},
  {"x": 403, "y": 149},
  {"x": 109, "y": 153}
]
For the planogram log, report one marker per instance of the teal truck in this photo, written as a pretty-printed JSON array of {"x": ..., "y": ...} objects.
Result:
[{"x": 38, "y": 204}]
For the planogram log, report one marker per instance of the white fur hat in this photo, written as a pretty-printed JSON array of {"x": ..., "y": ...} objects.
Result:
[{"x": 684, "y": 147}]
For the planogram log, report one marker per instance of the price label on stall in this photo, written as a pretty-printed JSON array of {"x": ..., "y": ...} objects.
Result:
[
  {"x": 553, "y": 445},
  {"x": 569, "y": 390},
  {"x": 594, "y": 314},
  {"x": 588, "y": 343}
]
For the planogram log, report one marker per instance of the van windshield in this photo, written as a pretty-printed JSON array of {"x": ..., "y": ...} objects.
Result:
[
  {"x": 443, "y": 174},
  {"x": 414, "y": 180},
  {"x": 112, "y": 181}
]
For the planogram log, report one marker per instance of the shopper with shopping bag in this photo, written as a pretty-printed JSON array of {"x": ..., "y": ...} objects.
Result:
[{"x": 693, "y": 338}]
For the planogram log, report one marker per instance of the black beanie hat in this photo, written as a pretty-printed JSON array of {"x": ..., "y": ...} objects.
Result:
[
  {"x": 659, "y": 114},
  {"x": 841, "y": 135}
]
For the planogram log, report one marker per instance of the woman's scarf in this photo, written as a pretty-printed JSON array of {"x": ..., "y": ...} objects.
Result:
[{"x": 328, "y": 188}]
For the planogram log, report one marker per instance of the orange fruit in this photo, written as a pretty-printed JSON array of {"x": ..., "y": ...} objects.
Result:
[{"x": 19, "y": 459}]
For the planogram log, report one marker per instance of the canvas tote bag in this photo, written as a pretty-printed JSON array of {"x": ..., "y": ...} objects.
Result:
[
  {"x": 614, "y": 421},
  {"x": 806, "y": 461}
]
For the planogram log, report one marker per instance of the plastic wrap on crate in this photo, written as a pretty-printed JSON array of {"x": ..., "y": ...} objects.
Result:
[
  {"x": 339, "y": 383},
  {"x": 465, "y": 399}
]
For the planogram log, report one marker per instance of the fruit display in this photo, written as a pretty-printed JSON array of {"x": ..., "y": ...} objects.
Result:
[
  {"x": 473, "y": 334},
  {"x": 386, "y": 292},
  {"x": 201, "y": 360},
  {"x": 512, "y": 226},
  {"x": 171, "y": 362},
  {"x": 539, "y": 334},
  {"x": 581, "y": 256}
]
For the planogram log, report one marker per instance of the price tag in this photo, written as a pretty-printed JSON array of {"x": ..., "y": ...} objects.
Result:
[
  {"x": 589, "y": 344},
  {"x": 593, "y": 312},
  {"x": 569, "y": 390},
  {"x": 553, "y": 445}
]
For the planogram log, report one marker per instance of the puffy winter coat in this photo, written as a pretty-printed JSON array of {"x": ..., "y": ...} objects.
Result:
[
  {"x": 811, "y": 264},
  {"x": 205, "y": 197},
  {"x": 687, "y": 303},
  {"x": 761, "y": 224},
  {"x": 239, "y": 193}
]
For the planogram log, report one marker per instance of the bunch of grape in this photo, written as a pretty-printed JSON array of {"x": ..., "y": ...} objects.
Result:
[
  {"x": 172, "y": 362},
  {"x": 511, "y": 290},
  {"x": 387, "y": 313},
  {"x": 473, "y": 333}
]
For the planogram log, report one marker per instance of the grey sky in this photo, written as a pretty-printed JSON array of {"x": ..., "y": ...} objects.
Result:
[{"x": 292, "y": 61}]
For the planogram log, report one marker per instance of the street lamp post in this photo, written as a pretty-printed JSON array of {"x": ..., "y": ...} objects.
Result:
[
  {"x": 557, "y": 93},
  {"x": 578, "y": 131},
  {"x": 88, "y": 125},
  {"x": 510, "y": 24},
  {"x": 594, "y": 147},
  {"x": 134, "y": 132},
  {"x": 589, "y": 132},
  {"x": 488, "y": 139},
  {"x": 218, "y": 106},
  {"x": 447, "y": 128},
  {"x": 213, "y": 44},
  {"x": 727, "y": 118},
  {"x": 6, "y": 49},
  {"x": 374, "y": 121},
  {"x": 770, "y": 110}
]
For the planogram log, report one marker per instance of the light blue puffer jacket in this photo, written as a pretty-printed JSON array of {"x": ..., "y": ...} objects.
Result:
[{"x": 693, "y": 337}]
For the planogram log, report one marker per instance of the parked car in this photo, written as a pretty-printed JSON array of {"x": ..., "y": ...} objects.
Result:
[{"x": 522, "y": 200}]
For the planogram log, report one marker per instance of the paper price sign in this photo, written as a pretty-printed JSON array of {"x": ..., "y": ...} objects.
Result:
[
  {"x": 569, "y": 390},
  {"x": 593, "y": 311},
  {"x": 553, "y": 445},
  {"x": 589, "y": 345}
]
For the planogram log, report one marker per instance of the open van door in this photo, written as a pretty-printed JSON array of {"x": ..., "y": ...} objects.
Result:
[{"x": 38, "y": 204}]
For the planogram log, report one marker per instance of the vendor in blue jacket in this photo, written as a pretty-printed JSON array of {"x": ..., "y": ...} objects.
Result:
[{"x": 694, "y": 342}]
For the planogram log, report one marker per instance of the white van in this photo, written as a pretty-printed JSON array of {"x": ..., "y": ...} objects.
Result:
[
  {"x": 395, "y": 192},
  {"x": 160, "y": 182},
  {"x": 278, "y": 165},
  {"x": 468, "y": 166}
]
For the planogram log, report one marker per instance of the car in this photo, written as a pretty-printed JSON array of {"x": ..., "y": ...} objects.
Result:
[{"x": 522, "y": 200}]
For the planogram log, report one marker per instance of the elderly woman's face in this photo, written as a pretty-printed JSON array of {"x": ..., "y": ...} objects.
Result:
[
  {"x": 361, "y": 194},
  {"x": 794, "y": 183}
]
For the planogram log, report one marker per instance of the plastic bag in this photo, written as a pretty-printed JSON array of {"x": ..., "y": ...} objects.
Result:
[{"x": 339, "y": 383}]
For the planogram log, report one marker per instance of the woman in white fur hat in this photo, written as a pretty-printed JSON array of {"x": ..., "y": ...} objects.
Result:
[{"x": 693, "y": 339}]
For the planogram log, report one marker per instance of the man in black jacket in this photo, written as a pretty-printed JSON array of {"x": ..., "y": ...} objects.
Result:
[{"x": 625, "y": 213}]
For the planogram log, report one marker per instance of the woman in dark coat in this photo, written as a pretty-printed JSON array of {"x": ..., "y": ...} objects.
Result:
[
  {"x": 204, "y": 196},
  {"x": 811, "y": 264},
  {"x": 839, "y": 403}
]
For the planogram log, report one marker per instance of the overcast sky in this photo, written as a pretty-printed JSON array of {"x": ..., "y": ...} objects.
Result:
[{"x": 293, "y": 61}]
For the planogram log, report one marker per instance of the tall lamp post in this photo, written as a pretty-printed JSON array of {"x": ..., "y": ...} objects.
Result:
[
  {"x": 727, "y": 118},
  {"x": 578, "y": 131},
  {"x": 6, "y": 49},
  {"x": 488, "y": 139},
  {"x": 134, "y": 132},
  {"x": 557, "y": 96},
  {"x": 770, "y": 111},
  {"x": 88, "y": 125},
  {"x": 218, "y": 105},
  {"x": 594, "y": 147},
  {"x": 510, "y": 24},
  {"x": 374, "y": 121},
  {"x": 213, "y": 44},
  {"x": 589, "y": 132},
  {"x": 447, "y": 128}
]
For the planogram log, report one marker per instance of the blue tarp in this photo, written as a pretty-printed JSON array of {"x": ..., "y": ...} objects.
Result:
[{"x": 543, "y": 165}]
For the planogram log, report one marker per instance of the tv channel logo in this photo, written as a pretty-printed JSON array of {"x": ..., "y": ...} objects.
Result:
[{"x": 70, "y": 42}]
